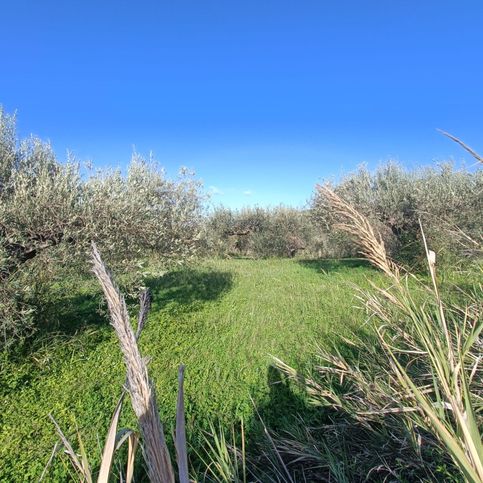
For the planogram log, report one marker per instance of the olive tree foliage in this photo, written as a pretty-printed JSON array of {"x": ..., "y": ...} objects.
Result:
[
  {"x": 288, "y": 233},
  {"x": 257, "y": 232},
  {"x": 50, "y": 212},
  {"x": 448, "y": 201}
]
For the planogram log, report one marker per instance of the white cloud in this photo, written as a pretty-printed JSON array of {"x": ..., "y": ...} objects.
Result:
[
  {"x": 215, "y": 191},
  {"x": 247, "y": 193}
]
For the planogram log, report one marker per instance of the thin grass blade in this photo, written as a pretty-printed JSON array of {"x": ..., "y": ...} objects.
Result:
[
  {"x": 110, "y": 444},
  {"x": 181, "y": 448}
]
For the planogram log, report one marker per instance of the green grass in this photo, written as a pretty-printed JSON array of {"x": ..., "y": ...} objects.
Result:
[{"x": 222, "y": 320}]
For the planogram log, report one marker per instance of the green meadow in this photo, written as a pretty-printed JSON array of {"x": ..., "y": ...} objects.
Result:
[{"x": 223, "y": 319}]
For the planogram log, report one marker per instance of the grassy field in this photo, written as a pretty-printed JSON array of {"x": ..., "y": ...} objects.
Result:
[{"x": 223, "y": 319}]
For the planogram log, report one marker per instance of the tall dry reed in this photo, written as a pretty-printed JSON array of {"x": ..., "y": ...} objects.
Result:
[
  {"x": 143, "y": 398},
  {"x": 425, "y": 374}
]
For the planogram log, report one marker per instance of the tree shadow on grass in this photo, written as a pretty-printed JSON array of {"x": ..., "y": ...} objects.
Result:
[
  {"x": 320, "y": 442},
  {"x": 70, "y": 314},
  {"x": 186, "y": 290},
  {"x": 334, "y": 264}
]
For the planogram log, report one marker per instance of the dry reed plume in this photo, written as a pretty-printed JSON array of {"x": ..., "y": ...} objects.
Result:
[
  {"x": 140, "y": 388},
  {"x": 463, "y": 145},
  {"x": 143, "y": 400},
  {"x": 358, "y": 226}
]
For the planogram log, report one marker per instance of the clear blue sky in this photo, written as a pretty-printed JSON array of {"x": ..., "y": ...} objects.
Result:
[{"x": 261, "y": 98}]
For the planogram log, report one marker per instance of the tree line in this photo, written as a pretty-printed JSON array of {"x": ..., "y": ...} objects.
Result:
[{"x": 51, "y": 212}]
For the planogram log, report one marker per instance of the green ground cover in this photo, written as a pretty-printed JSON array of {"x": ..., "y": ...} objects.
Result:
[{"x": 223, "y": 320}]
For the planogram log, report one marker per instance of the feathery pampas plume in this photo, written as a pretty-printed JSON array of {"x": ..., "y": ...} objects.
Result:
[
  {"x": 140, "y": 388},
  {"x": 357, "y": 226}
]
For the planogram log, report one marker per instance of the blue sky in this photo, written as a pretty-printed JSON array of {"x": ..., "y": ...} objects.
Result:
[{"x": 261, "y": 98}]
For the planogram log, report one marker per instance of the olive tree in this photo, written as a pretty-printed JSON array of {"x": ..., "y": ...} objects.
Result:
[
  {"x": 395, "y": 199},
  {"x": 287, "y": 233},
  {"x": 50, "y": 212},
  {"x": 257, "y": 232}
]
